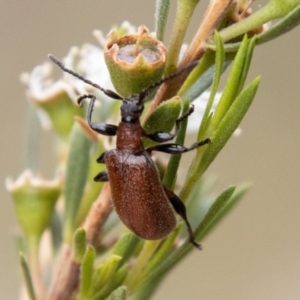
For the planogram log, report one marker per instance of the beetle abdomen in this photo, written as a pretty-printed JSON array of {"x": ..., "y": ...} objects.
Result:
[{"x": 143, "y": 208}]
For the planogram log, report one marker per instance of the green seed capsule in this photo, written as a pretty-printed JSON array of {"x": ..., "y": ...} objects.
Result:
[{"x": 134, "y": 61}]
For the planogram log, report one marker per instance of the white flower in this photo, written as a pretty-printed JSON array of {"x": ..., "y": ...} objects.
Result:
[
  {"x": 200, "y": 103},
  {"x": 26, "y": 178}
]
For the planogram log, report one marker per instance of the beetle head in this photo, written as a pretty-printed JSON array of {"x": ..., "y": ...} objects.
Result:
[{"x": 132, "y": 108}]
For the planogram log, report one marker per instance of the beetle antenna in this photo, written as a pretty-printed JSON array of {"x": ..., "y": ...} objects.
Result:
[
  {"x": 147, "y": 91},
  {"x": 109, "y": 93}
]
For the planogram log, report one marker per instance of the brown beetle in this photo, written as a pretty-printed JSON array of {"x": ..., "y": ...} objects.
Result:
[{"x": 140, "y": 199}]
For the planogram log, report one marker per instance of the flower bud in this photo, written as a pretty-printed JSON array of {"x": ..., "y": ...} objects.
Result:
[
  {"x": 34, "y": 201},
  {"x": 56, "y": 108},
  {"x": 134, "y": 61}
]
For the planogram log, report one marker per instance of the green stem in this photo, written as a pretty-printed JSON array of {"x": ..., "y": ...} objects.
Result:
[
  {"x": 171, "y": 171},
  {"x": 161, "y": 16},
  {"x": 192, "y": 180},
  {"x": 185, "y": 10},
  {"x": 35, "y": 270},
  {"x": 135, "y": 276},
  {"x": 205, "y": 63},
  {"x": 269, "y": 12},
  {"x": 27, "y": 277}
]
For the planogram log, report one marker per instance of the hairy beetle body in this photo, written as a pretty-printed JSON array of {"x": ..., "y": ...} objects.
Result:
[{"x": 140, "y": 199}]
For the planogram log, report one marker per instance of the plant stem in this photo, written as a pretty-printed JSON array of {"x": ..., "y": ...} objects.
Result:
[
  {"x": 132, "y": 281},
  {"x": 267, "y": 13},
  {"x": 35, "y": 270},
  {"x": 185, "y": 10}
]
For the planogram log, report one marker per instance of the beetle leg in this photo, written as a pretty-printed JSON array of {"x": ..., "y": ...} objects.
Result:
[
  {"x": 101, "y": 177},
  {"x": 179, "y": 207},
  {"x": 177, "y": 149},
  {"x": 162, "y": 137},
  {"x": 100, "y": 159},
  {"x": 104, "y": 129}
]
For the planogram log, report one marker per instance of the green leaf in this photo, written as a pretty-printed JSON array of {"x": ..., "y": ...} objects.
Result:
[
  {"x": 164, "y": 250},
  {"x": 246, "y": 64},
  {"x": 79, "y": 245},
  {"x": 86, "y": 272},
  {"x": 234, "y": 199},
  {"x": 220, "y": 56},
  {"x": 290, "y": 21},
  {"x": 229, "y": 124},
  {"x": 162, "y": 119},
  {"x": 171, "y": 171},
  {"x": 146, "y": 291},
  {"x": 232, "y": 87},
  {"x": 27, "y": 277},
  {"x": 103, "y": 281},
  {"x": 198, "y": 77},
  {"x": 77, "y": 170},
  {"x": 120, "y": 276},
  {"x": 274, "y": 9},
  {"x": 119, "y": 294},
  {"x": 113, "y": 283},
  {"x": 135, "y": 275},
  {"x": 92, "y": 188},
  {"x": 126, "y": 246},
  {"x": 284, "y": 25},
  {"x": 205, "y": 80},
  {"x": 214, "y": 210},
  {"x": 161, "y": 17},
  {"x": 284, "y": 6},
  {"x": 200, "y": 200}
]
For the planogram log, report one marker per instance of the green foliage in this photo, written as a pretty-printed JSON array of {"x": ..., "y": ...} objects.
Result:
[
  {"x": 77, "y": 169},
  {"x": 27, "y": 277},
  {"x": 86, "y": 275},
  {"x": 161, "y": 17},
  {"x": 162, "y": 119}
]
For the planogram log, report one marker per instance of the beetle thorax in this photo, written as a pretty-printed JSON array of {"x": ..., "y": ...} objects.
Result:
[{"x": 129, "y": 136}]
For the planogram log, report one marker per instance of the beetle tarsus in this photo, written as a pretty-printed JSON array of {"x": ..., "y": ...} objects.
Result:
[
  {"x": 100, "y": 159},
  {"x": 197, "y": 245},
  {"x": 204, "y": 142},
  {"x": 177, "y": 149},
  {"x": 81, "y": 98},
  {"x": 101, "y": 177}
]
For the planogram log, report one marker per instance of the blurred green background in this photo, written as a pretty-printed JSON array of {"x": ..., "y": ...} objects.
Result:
[{"x": 255, "y": 253}]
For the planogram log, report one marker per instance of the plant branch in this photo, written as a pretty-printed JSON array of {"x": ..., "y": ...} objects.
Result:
[
  {"x": 212, "y": 18},
  {"x": 66, "y": 277},
  {"x": 98, "y": 214}
]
